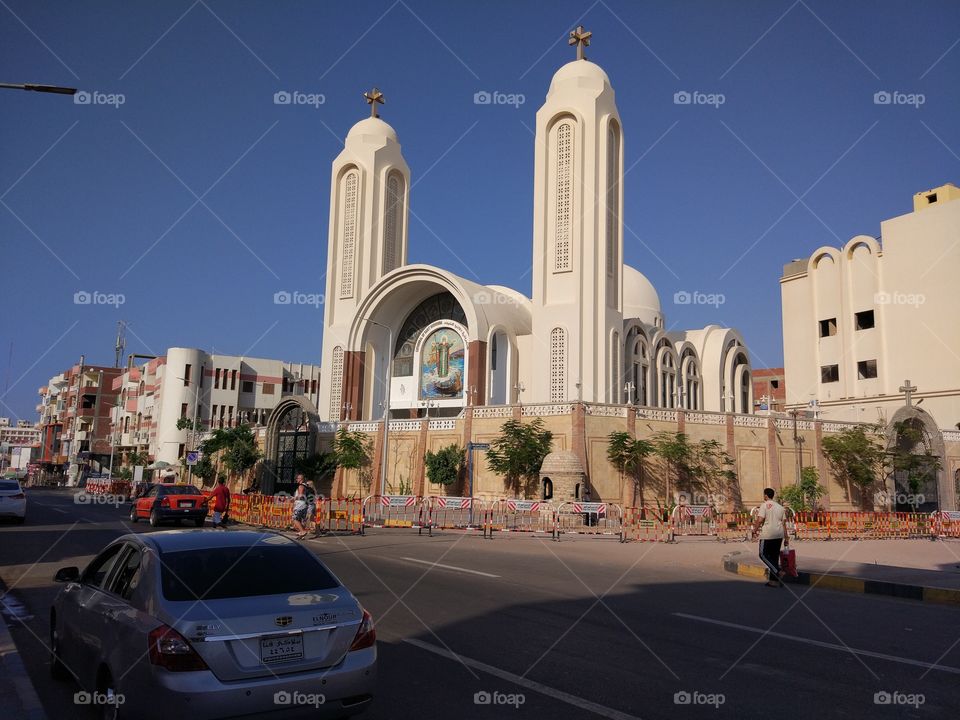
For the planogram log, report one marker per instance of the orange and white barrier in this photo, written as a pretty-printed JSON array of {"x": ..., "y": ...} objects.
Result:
[
  {"x": 734, "y": 526},
  {"x": 512, "y": 515},
  {"x": 393, "y": 511},
  {"x": 588, "y": 518},
  {"x": 340, "y": 515},
  {"x": 644, "y": 525},
  {"x": 453, "y": 512}
]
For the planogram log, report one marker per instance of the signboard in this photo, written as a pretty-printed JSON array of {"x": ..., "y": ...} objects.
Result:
[
  {"x": 596, "y": 508},
  {"x": 951, "y": 515},
  {"x": 193, "y": 457},
  {"x": 398, "y": 501},
  {"x": 479, "y": 446},
  {"x": 455, "y": 503},
  {"x": 523, "y": 505},
  {"x": 138, "y": 474}
]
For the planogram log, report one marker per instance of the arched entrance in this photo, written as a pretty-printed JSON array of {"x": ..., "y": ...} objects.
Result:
[
  {"x": 291, "y": 437},
  {"x": 916, "y": 449}
]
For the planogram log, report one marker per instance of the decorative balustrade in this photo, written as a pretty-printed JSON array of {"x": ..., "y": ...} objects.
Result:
[
  {"x": 657, "y": 414},
  {"x": 493, "y": 411},
  {"x": 788, "y": 424},
  {"x": 705, "y": 418},
  {"x": 363, "y": 426},
  {"x": 606, "y": 410},
  {"x": 404, "y": 425},
  {"x": 753, "y": 421},
  {"x": 443, "y": 424},
  {"x": 544, "y": 410}
]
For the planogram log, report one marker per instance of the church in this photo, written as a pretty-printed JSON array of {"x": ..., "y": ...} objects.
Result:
[{"x": 412, "y": 340}]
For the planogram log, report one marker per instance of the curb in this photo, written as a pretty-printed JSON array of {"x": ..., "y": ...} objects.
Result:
[
  {"x": 843, "y": 583},
  {"x": 13, "y": 675}
]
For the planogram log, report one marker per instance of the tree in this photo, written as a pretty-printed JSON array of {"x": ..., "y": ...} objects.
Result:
[
  {"x": 855, "y": 458},
  {"x": 137, "y": 457},
  {"x": 204, "y": 469},
  {"x": 237, "y": 447},
  {"x": 805, "y": 496},
  {"x": 353, "y": 452},
  {"x": 184, "y": 423},
  {"x": 903, "y": 460},
  {"x": 628, "y": 455},
  {"x": 711, "y": 472},
  {"x": 518, "y": 452},
  {"x": 678, "y": 456},
  {"x": 317, "y": 467},
  {"x": 444, "y": 466}
]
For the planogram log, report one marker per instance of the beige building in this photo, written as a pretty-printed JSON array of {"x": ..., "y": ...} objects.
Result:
[
  {"x": 593, "y": 330},
  {"x": 862, "y": 320}
]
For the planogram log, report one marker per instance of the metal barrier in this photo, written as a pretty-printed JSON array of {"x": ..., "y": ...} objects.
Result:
[
  {"x": 106, "y": 486},
  {"x": 512, "y": 515},
  {"x": 734, "y": 526},
  {"x": 588, "y": 518},
  {"x": 340, "y": 515},
  {"x": 277, "y": 512},
  {"x": 644, "y": 525},
  {"x": 693, "y": 520},
  {"x": 461, "y": 513},
  {"x": 393, "y": 511}
]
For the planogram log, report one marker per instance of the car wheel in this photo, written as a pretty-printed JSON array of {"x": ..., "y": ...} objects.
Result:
[
  {"x": 110, "y": 708},
  {"x": 199, "y": 522},
  {"x": 133, "y": 514},
  {"x": 154, "y": 518},
  {"x": 20, "y": 520},
  {"x": 58, "y": 670}
]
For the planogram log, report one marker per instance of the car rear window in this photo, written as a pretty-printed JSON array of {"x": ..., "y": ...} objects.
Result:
[
  {"x": 233, "y": 572},
  {"x": 9, "y": 485},
  {"x": 179, "y": 490}
]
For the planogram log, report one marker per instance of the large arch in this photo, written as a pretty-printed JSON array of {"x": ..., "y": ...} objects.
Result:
[
  {"x": 279, "y": 451},
  {"x": 934, "y": 439}
]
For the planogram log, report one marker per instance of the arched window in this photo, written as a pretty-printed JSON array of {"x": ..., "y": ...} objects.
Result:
[
  {"x": 558, "y": 365},
  {"x": 563, "y": 191},
  {"x": 613, "y": 210},
  {"x": 348, "y": 237},
  {"x": 393, "y": 221},
  {"x": 691, "y": 382},
  {"x": 336, "y": 384},
  {"x": 547, "y": 493},
  {"x": 641, "y": 373},
  {"x": 668, "y": 379}
]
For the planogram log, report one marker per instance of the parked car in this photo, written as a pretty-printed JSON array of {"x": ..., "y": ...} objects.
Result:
[
  {"x": 162, "y": 503},
  {"x": 13, "y": 501},
  {"x": 206, "y": 624}
]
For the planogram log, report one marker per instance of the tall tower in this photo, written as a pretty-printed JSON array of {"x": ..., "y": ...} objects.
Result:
[
  {"x": 369, "y": 188},
  {"x": 577, "y": 236}
]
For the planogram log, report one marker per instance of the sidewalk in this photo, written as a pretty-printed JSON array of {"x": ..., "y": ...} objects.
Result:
[
  {"x": 18, "y": 699},
  {"x": 909, "y": 569}
]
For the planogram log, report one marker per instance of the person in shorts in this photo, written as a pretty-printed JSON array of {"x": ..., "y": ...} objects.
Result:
[
  {"x": 221, "y": 502},
  {"x": 770, "y": 524},
  {"x": 301, "y": 508}
]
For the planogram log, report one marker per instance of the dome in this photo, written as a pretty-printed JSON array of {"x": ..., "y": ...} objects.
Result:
[
  {"x": 579, "y": 73},
  {"x": 640, "y": 299},
  {"x": 372, "y": 127},
  {"x": 561, "y": 462}
]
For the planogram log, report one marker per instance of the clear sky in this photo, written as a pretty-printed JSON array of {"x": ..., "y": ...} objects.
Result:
[{"x": 198, "y": 198}]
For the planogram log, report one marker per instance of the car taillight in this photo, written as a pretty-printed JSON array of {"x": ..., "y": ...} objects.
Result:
[
  {"x": 165, "y": 502},
  {"x": 18, "y": 496},
  {"x": 170, "y": 650},
  {"x": 366, "y": 634}
]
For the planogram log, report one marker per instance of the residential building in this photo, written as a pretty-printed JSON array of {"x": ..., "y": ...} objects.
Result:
[{"x": 769, "y": 390}]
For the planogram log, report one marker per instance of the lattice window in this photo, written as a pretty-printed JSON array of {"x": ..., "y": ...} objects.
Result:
[
  {"x": 336, "y": 383},
  {"x": 349, "y": 237},
  {"x": 613, "y": 198},
  {"x": 393, "y": 221},
  {"x": 564, "y": 201},
  {"x": 558, "y": 365}
]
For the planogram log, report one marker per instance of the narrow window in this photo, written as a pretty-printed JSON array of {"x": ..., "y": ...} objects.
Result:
[
  {"x": 247, "y": 386},
  {"x": 186, "y": 375},
  {"x": 183, "y": 410},
  {"x": 216, "y": 378},
  {"x": 268, "y": 388},
  {"x": 233, "y": 380}
]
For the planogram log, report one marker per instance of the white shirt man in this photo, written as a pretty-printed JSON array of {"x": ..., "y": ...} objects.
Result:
[{"x": 771, "y": 522}]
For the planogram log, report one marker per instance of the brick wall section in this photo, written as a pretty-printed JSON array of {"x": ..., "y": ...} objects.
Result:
[
  {"x": 773, "y": 454},
  {"x": 476, "y": 372},
  {"x": 578, "y": 423}
]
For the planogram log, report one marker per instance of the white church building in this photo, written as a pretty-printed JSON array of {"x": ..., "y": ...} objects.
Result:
[{"x": 593, "y": 330}]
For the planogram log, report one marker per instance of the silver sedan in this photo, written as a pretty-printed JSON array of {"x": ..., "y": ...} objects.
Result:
[{"x": 208, "y": 624}]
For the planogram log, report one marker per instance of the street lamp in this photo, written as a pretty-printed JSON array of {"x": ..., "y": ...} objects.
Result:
[
  {"x": 628, "y": 388},
  {"x": 193, "y": 426},
  {"x": 386, "y": 403},
  {"x": 55, "y": 89}
]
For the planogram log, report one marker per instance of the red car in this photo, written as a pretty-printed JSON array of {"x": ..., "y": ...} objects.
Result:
[{"x": 170, "y": 502}]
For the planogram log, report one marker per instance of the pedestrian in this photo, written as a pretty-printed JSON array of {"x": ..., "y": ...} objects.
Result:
[
  {"x": 221, "y": 502},
  {"x": 771, "y": 526},
  {"x": 300, "y": 509}
]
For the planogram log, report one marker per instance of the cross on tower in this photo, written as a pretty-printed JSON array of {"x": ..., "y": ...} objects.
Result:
[
  {"x": 373, "y": 97},
  {"x": 580, "y": 38},
  {"x": 909, "y": 390}
]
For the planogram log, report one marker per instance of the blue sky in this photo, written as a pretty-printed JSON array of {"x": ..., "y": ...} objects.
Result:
[{"x": 104, "y": 196}]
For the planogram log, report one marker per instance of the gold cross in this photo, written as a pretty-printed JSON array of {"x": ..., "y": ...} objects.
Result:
[
  {"x": 580, "y": 38},
  {"x": 373, "y": 97}
]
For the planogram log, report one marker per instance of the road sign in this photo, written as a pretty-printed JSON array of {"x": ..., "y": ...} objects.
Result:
[
  {"x": 193, "y": 457},
  {"x": 479, "y": 446}
]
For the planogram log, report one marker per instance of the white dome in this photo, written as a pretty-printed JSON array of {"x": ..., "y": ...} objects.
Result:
[
  {"x": 640, "y": 299},
  {"x": 579, "y": 73},
  {"x": 372, "y": 127}
]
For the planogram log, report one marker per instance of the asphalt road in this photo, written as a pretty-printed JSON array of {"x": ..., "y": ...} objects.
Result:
[{"x": 582, "y": 628}]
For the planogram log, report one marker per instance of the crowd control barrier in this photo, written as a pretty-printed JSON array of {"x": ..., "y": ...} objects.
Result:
[
  {"x": 517, "y": 516},
  {"x": 340, "y": 515},
  {"x": 644, "y": 525},
  {"x": 457, "y": 513},
  {"x": 588, "y": 518},
  {"x": 393, "y": 511},
  {"x": 693, "y": 520},
  {"x": 107, "y": 486},
  {"x": 735, "y": 526}
]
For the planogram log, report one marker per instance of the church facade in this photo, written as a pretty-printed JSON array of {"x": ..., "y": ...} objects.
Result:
[{"x": 409, "y": 340}]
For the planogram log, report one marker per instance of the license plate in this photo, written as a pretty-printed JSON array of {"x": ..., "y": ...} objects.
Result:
[
  {"x": 281, "y": 649},
  {"x": 185, "y": 504}
]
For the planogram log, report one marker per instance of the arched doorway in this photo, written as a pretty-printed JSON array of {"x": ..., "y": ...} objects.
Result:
[
  {"x": 291, "y": 437},
  {"x": 916, "y": 452}
]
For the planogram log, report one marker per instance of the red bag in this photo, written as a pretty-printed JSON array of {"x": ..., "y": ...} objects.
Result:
[{"x": 788, "y": 561}]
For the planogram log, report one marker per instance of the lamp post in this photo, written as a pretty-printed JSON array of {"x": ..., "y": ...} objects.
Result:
[
  {"x": 386, "y": 404},
  {"x": 55, "y": 89},
  {"x": 628, "y": 388}
]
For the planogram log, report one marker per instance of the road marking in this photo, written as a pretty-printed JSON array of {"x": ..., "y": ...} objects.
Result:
[
  {"x": 59, "y": 510},
  {"x": 450, "y": 567},
  {"x": 560, "y": 695},
  {"x": 821, "y": 643}
]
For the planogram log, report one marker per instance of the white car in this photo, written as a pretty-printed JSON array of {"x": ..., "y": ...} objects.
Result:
[{"x": 13, "y": 502}]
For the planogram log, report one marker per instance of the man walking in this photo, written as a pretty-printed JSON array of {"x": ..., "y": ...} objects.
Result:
[
  {"x": 221, "y": 501},
  {"x": 771, "y": 524}
]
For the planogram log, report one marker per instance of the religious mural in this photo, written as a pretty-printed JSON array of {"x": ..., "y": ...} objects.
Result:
[{"x": 441, "y": 365}]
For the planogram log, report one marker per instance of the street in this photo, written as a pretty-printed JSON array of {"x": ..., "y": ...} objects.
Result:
[{"x": 523, "y": 626}]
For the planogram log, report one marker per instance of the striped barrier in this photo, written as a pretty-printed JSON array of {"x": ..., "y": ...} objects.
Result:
[
  {"x": 340, "y": 515},
  {"x": 734, "y": 526},
  {"x": 588, "y": 518},
  {"x": 644, "y": 525},
  {"x": 693, "y": 520},
  {"x": 512, "y": 515},
  {"x": 106, "y": 486},
  {"x": 453, "y": 512},
  {"x": 393, "y": 511}
]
